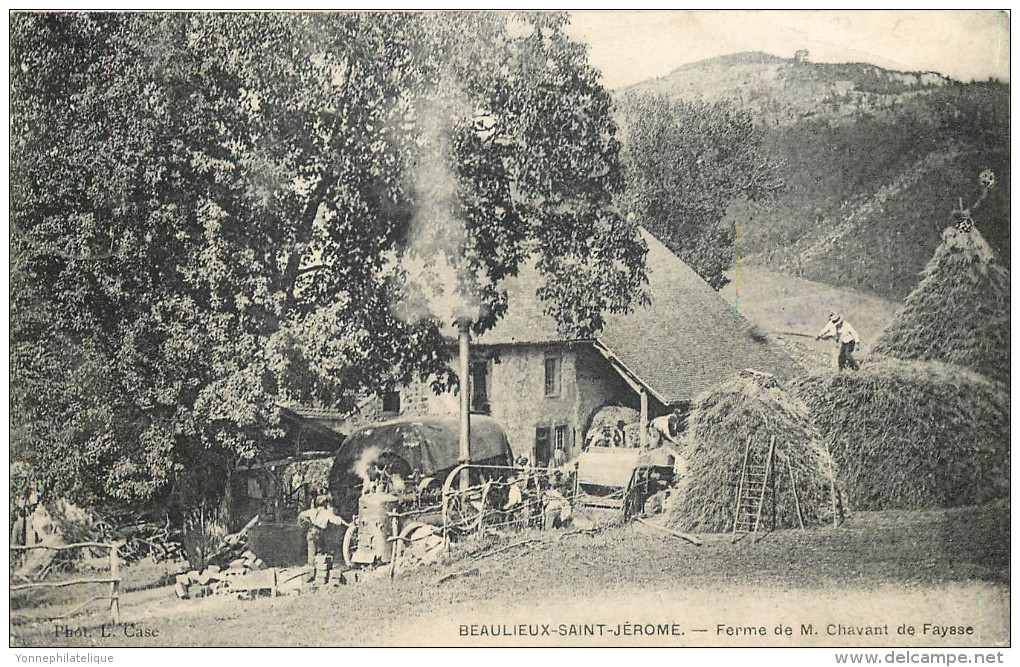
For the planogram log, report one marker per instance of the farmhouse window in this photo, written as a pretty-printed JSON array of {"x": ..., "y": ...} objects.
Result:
[
  {"x": 552, "y": 375},
  {"x": 480, "y": 387},
  {"x": 391, "y": 401},
  {"x": 561, "y": 438}
]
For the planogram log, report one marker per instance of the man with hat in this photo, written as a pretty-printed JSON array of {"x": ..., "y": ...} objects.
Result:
[
  {"x": 847, "y": 338},
  {"x": 318, "y": 518}
]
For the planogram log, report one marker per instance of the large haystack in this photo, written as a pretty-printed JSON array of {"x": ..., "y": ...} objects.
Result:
[
  {"x": 959, "y": 313},
  {"x": 911, "y": 434},
  {"x": 751, "y": 405}
]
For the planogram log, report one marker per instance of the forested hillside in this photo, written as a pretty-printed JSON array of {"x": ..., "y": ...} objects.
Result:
[{"x": 873, "y": 162}]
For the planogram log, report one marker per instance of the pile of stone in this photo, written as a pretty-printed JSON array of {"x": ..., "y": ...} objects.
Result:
[{"x": 246, "y": 573}]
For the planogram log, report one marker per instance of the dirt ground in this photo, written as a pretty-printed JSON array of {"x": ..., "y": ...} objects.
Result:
[{"x": 922, "y": 578}]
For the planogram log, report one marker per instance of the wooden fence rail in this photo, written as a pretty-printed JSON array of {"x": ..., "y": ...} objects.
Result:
[
  {"x": 62, "y": 547},
  {"x": 114, "y": 579}
]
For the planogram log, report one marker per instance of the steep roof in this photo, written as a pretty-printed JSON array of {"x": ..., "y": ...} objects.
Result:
[{"x": 687, "y": 340}]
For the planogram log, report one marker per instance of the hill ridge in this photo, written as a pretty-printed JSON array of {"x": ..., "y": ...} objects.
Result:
[
  {"x": 780, "y": 90},
  {"x": 764, "y": 57}
]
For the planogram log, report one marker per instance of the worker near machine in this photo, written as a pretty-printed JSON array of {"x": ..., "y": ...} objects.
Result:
[
  {"x": 619, "y": 436},
  {"x": 846, "y": 337},
  {"x": 526, "y": 477},
  {"x": 556, "y": 504},
  {"x": 559, "y": 457},
  {"x": 318, "y": 518},
  {"x": 555, "y": 509},
  {"x": 378, "y": 480},
  {"x": 515, "y": 497},
  {"x": 658, "y": 490},
  {"x": 602, "y": 437},
  {"x": 397, "y": 483}
]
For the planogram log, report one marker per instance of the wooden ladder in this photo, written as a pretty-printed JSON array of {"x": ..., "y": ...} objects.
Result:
[{"x": 754, "y": 481}]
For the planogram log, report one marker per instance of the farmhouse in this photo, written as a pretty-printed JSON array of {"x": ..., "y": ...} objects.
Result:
[{"x": 545, "y": 389}]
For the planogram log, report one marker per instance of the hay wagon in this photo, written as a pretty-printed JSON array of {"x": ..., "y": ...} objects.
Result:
[{"x": 620, "y": 467}]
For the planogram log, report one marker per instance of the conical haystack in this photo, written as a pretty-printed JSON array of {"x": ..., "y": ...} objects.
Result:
[
  {"x": 752, "y": 405},
  {"x": 959, "y": 313},
  {"x": 912, "y": 434}
]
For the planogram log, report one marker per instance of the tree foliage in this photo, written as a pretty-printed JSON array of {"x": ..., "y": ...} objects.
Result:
[
  {"x": 687, "y": 162},
  {"x": 215, "y": 213}
]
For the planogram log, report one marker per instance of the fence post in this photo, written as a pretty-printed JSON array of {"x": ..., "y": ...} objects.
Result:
[
  {"x": 115, "y": 583},
  {"x": 481, "y": 508}
]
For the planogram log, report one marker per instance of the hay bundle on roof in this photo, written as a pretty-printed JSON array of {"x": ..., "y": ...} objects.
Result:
[
  {"x": 959, "y": 312},
  {"x": 608, "y": 418},
  {"x": 912, "y": 434},
  {"x": 752, "y": 405},
  {"x": 611, "y": 415}
]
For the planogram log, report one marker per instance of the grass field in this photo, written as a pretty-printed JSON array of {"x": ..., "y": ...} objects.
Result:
[
  {"x": 943, "y": 567},
  {"x": 783, "y": 306}
]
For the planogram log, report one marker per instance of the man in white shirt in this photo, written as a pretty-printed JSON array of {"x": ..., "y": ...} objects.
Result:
[
  {"x": 847, "y": 338},
  {"x": 317, "y": 518}
]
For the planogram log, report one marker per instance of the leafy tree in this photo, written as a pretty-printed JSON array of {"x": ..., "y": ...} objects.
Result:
[
  {"x": 687, "y": 162},
  {"x": 215, "y": 213}
]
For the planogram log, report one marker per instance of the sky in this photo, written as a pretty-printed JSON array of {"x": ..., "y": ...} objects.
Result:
[{"x": 631, "y": 46}]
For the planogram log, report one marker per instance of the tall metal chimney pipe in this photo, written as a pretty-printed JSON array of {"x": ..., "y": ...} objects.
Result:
[{"x": 464, "y": 338}]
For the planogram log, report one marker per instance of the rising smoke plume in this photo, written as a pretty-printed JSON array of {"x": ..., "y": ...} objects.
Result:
[
  {"x": 434, "y": 265},
  {"x": 365, "y": 461}
]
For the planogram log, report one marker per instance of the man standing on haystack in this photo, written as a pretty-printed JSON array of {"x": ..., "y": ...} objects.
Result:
[{"x": 847, "y": 338}]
